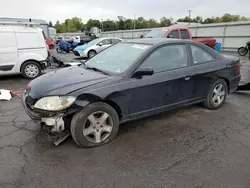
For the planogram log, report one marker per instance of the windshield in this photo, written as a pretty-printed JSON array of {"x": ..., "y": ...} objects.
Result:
[
  {"x": 118, "y": 58},
  {"x": 94, "y": 41},
  {"x": 156, "y": 33}
]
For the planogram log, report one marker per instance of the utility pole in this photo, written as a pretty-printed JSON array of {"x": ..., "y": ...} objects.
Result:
[
  {"x": 102, "y": 26},
  {"x": 189, "y": 15},
  {"x": 134, "y": 21}
]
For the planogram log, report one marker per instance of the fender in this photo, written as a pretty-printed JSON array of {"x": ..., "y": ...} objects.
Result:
[{"x": 85, "y": 99}]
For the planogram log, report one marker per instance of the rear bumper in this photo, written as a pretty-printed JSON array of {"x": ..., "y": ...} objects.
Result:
[{"x": 234, "y": 84}]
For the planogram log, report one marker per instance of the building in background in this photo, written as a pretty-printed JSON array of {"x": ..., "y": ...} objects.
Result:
[{"x": 41, "y": 23}]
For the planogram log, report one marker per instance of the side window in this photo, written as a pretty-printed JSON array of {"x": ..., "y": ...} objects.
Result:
[
  {"x": 174, "y": 34},
  {"x": 115, "y": 41},
  {"x": 106, "y": 41},
  {"x": 184, "y": 34},
  {"x": 200, "y": 55},
  {"x": 167, "y": 58}
]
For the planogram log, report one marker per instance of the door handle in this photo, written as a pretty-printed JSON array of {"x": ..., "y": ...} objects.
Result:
[{"x": 187, "y": 78}]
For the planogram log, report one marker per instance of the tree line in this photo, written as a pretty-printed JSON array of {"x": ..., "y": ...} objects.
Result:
[{"x": 76, "y": 24}]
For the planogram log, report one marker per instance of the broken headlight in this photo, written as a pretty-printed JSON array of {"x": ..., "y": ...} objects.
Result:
[{"x": 54, "y": 103}]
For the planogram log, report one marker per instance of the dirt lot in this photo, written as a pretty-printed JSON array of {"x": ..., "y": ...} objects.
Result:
[{"x": 189, "y": 147}]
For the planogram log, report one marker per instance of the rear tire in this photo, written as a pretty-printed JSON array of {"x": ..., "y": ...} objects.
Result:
[
  {"x": 31, "y": 69},
  {"x": 242, "y": 51},
  {"x": 217, "y": 95},
  {"x": 86, "y": 126}
]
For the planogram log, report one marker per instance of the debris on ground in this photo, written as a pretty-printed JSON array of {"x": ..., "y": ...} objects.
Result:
[{"x": 5, "y": 95}]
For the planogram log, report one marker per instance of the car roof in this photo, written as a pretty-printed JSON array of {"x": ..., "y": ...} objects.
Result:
[{"x": 109, "y": 38}]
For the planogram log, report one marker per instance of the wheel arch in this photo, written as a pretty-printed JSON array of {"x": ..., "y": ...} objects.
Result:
[
  {"x": 85, "y": 99},
  {"x": 20, "y": 69},
  {"x": 92, "y": 50},
  {"x": 228, "y": 84}
]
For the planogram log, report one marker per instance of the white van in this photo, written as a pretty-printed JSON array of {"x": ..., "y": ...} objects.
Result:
[{"x": 22, "y": 50}]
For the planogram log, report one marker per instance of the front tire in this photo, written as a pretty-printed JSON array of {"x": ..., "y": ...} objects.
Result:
[
  {"x": 242, "y": 51},
  {"x": 217, "y": 95},
  {"x": 91, "y": 53},
  {"x": 95, "y": 125},
  {"x": 31, "y": 70}
]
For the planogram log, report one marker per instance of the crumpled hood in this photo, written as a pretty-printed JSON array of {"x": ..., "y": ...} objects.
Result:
[
  {"x": 83, "y": 47},
  {"x": 64, "y": 81}
]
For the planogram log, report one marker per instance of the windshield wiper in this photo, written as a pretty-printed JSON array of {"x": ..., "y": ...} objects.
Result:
[{"x": 97, "y": 70}]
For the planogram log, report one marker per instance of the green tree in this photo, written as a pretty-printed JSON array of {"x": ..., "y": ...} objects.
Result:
[
  {"x": 92, "y": 23},
  {"x": 165, "y": 21},
  {"x": 109, "y": 25},
  {"x": 77, "y": 22},
  {"x": 198, "y": 19},
  {"x": 141, "y": 23},
  {"x": 58, "y": 27},
  {"x": 152, "y": 23}
]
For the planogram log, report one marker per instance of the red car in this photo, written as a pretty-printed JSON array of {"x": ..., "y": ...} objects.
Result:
[
  {"x": 50, "y": 43},
  {"x": 179, "y": 33}
]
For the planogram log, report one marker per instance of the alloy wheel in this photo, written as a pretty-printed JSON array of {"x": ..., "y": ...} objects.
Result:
[
  {"x": 98, "y": 127},
  {"x": 219, "y": 93},
  {"x": 31, "y": 70},
  {"x": 92, "y": 54}
]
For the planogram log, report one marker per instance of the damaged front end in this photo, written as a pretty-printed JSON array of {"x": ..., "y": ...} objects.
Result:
[
  {"x": 55, "y": 129},
  {"x": 54, "y": 114}
]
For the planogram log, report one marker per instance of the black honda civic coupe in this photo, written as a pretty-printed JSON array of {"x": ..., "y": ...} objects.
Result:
[{"x": 130, "y": 80}]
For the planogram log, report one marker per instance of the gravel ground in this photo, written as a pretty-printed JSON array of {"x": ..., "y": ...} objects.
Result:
[{"x": 189, "y": 147}]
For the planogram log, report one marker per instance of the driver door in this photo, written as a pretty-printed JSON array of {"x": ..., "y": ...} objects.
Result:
[{"x": 169, "y": 87}]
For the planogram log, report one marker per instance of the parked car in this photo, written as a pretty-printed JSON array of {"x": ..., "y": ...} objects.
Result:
[
  {"x": 128, "y": 81},
  {"x": 179, "y": 33},
  {"x": 22, "y": 50},
  {"x": 95, "y": 46},
  {"x": 50, "y": 43}
]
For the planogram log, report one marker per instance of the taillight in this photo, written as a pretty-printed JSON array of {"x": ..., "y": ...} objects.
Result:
[{"x": 238, "y": 69}]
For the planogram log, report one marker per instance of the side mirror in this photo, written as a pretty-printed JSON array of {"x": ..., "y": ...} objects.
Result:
[
  {"x": 100, "y": 44},
  {"x": 143, "y": 71}
]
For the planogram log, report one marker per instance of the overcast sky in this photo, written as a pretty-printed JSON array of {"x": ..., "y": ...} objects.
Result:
[{"x": 109, "y": 9}]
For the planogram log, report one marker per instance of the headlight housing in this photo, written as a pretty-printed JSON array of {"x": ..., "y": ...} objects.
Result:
[{"x": 54, "y": 103}]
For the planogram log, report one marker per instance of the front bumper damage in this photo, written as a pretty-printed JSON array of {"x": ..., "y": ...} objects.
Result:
[{"x": 55, "y": 127}]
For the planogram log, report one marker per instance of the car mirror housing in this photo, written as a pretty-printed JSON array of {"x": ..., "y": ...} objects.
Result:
[
  {"x": 100, "y": 44},
  {"x": 143, "y": 71}
]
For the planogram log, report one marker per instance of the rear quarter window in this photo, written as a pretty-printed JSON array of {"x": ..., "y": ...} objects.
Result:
[
  {"x": 29, "y": 40},
  {"x": 200, "y": 55}
]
